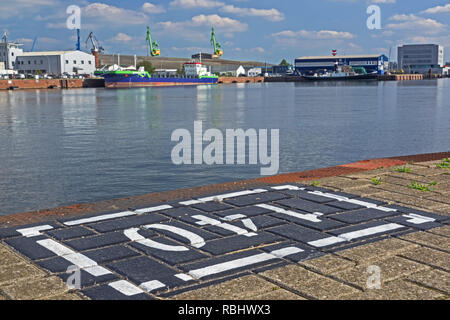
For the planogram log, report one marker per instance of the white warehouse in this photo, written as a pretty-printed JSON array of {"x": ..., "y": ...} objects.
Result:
[
  {"x": 56, "y": 63},
  {"x": 8, "y": 54}
]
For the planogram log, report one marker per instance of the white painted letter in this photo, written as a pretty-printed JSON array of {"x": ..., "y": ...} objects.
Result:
[
  {"x": 216, "y": 146},
  {"x": 198, "y": 142},
  {"x": 374, "y": 21},
  {"x": 183, "y": 146},
  {"x": 274, "y": 159},
  {"x": 74, "y": 20}
]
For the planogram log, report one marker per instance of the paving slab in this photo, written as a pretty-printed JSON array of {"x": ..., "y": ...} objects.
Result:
[
  {"x": 390, "y": 269},
  {"x": 277, "y": 294},
  {"x": 328, "y": 264},
  {"x": 29, "y": 289},
  {"x": 430, "y": 257},
  {"x": 442, "y": 231},
  {"x": 243, "y": 288},
  {"x": 309, "y": 284},
  {"x": 428, "y": 239},
  {"x": 377, "y": 250},
  {"x": 434, "y": 279},
  {"x": 398, "y": 290},
  {"x": 11, "y": 273}
]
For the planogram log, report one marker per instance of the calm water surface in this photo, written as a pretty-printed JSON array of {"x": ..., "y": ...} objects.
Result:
[{"x": 72, "y": 146}]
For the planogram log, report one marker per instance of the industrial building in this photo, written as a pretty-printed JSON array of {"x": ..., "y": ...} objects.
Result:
[
  {"x": 56, "y": 63},
  {"x": 228, "y": 70},
  {"x": 421, "y": 58},
  {"x": 253, "y": 71},
  {"x": 282, "y": 70},
  {"x": 371, "y": 63},
  {"x": 9, "y": 51}
]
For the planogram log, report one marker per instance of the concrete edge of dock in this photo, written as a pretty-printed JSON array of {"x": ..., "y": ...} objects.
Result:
[{"x": 160, "y": 197}]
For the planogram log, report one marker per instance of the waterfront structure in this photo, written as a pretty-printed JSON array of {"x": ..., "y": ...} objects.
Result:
[
  {"x": 421, "y": 58},
  {"x": 375, "y": 63},
  {"x": 56, "y": 63},
  {"x": 446, "y": 70},
  {"x": 9, "y": 51},
  {"x": 253, "y": 71},
  {"x": 228, "y": 70},
  {"x": 282, "y": 70}
]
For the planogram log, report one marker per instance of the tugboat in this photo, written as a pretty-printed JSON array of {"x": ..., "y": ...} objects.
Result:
[
  {"x": 195, "y": 74},
  {"x": 342, "y": 73}
]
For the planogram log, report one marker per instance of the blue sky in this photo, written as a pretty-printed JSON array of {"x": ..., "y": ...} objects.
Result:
[{"x": 259, "y": 30}]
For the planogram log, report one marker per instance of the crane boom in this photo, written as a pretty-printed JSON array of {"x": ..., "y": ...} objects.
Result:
[
  {"x": 216, "y": 45},
  {"x": 34, "y": 44},
  {"x": 95, "y": 43},
  {"x": 152, "y": 45}
]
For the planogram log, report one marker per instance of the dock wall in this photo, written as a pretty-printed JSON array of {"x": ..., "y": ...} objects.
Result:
[
  {"x": 225, "y": 80},
  {"x": 400, "y": 77},
  {"x": 40, "y": 84}
]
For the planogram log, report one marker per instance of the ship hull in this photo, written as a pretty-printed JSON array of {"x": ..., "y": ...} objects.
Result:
[
  {"x": 114, "y": 81},
  {"x": 346, "y": 78}
]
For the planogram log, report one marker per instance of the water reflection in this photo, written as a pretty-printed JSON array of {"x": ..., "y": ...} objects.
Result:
[{"x": 61, "y": 147}]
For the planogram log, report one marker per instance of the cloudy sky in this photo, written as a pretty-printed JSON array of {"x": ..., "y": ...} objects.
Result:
[{"x": 260, "y": 30}]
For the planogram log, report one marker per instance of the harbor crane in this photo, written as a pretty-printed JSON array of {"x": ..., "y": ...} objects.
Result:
[
  {"x": 218, "y": 52},
  {"x": 153, "y": 46},
  {"x": 96, "y": 47}
]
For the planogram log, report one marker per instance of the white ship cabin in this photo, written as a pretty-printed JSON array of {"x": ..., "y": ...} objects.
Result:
[{"x": 195, "y": 69}]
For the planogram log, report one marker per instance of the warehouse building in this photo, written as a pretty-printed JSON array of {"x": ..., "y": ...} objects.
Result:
[
  {"x": 421, "y": 58},
  {"x": 371, "y": 63},
  {"x": 9, "y": 52},
  {"x": 56, "y": 63}
]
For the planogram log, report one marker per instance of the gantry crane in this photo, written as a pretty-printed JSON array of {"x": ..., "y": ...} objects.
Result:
[
  {"x": 218, "y": 52},
  {"x": 153, "y": 46}
]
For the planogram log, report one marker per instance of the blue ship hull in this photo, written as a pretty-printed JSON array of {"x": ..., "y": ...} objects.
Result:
[{"x": 130, "y": 81}]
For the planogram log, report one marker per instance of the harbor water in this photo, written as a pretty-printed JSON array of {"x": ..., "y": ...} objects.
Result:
[{"x": 61, "y": 147}]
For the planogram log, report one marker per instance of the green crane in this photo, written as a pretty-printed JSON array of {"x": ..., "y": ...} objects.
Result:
[
  {"x": 153, "y": 45},
  {"x": 216, "y": 45}
]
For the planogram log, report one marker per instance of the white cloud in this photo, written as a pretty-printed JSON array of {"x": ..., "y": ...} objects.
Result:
[
  {"x": 221, "y": 23},
  {"x": 438, "y": 9},
  {"x": 269, "y": 14},
  {"x": 17, "y": 7},
  {"x": 189, "y": 4},
  {"x": 122, "y": 37},
  {"x": 383, "y": 1},
  {"x": 314, "y": 35},
  {"x": 113, "y": 15},
  {"x": 258, "y": 50},
  {"x": 24, "y": 40},
  {"x": 152, "y": 8},
  {"x": 414, "y": 23}
]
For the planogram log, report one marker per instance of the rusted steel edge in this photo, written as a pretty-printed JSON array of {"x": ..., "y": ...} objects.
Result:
[{"x": 167, "y": 196}]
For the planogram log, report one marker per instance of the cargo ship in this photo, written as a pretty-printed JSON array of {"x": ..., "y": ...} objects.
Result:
[{"x": 194, "y": 74}]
